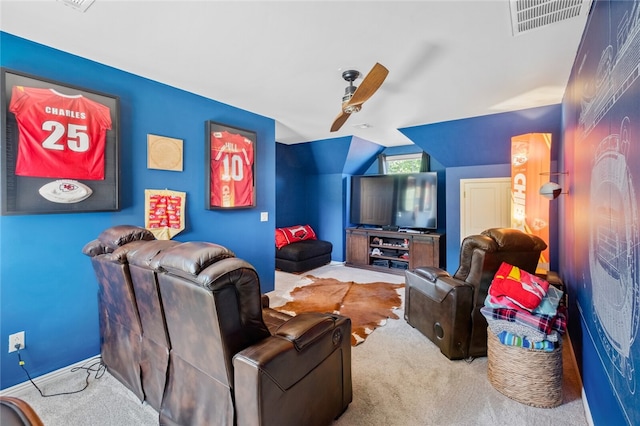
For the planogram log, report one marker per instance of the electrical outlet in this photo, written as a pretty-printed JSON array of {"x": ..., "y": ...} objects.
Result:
[{"x": 16, "y": 339}]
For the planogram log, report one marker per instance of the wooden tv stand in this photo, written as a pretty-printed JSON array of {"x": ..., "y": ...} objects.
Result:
[{"x": 399, "y": 251}]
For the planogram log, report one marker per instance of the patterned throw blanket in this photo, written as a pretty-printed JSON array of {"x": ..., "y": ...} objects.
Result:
[{"x": 545, "y": 324}]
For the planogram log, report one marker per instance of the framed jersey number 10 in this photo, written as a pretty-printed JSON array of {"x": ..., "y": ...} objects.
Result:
[{"x": 229, "y": 167}]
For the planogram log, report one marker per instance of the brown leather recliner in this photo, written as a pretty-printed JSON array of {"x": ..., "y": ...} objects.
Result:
[
  {"x": 120, "y": 327},
  {"x": 446, "y": 308},
  {"x": 155, "y": 344},
  {"x": 225, "y": 366}
]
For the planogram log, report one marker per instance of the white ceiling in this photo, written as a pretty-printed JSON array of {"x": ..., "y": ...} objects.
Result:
[{"x": 447, "y": 60}]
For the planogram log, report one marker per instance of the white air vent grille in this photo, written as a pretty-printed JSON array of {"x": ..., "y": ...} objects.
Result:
[
  {"x": 527, "y": 15},
  {"x": 80, "y": 5}
]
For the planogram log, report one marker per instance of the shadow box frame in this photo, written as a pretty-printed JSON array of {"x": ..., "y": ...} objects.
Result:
[
  {"x": 229, "y": 163},
  {"x": 20, "y": 194}
]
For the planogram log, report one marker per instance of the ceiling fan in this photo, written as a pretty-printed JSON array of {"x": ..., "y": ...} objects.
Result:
[{"x": 354, "y": 96}]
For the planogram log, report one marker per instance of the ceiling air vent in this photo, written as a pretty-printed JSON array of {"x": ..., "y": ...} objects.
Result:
[
  {"x": 527, "y": 15},
  {"x": 80, "y": 5}
]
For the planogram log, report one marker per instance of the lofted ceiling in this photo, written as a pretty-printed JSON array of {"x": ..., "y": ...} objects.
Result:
[{"x": 447, "y": 59}]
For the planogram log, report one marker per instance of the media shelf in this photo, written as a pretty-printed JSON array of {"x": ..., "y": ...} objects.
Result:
[{"x": 391, "y": 251}]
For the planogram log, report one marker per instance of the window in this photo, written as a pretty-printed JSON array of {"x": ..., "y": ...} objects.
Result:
[{"x": 403, "y": 163}]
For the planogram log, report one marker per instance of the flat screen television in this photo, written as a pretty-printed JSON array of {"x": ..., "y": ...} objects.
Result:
[{"x": 397, "y": 200}]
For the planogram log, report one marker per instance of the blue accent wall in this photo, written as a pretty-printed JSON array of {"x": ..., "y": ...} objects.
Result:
[
  {"x": 600, "y": 215},
  {"x": 485, "y": 140},
  {"x": 48, "y": 288},
  {"x": 313, "y": 185}
]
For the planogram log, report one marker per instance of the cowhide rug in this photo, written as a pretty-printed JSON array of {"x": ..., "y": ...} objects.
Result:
[{"x": 369, "y": 305}]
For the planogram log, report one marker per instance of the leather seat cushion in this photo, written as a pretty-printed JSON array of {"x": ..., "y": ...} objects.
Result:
[{"x": 303, "y": 250}]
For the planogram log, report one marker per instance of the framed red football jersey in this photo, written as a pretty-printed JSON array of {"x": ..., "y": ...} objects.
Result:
[
  {"x": 60, "y": 147},
  {"x": 60, "y": 136},
  {"x": 230, "y": 166}
]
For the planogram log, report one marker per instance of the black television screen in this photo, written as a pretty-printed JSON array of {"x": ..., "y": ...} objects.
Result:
[{"x": 403, "y": 200}]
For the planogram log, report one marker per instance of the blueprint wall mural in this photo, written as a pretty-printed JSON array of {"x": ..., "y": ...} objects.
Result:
[{"x": 605, "y": 93}]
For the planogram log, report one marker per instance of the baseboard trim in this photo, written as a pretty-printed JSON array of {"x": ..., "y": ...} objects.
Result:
[
  {"x": 587, "y": 410},
  {"x": 585, "y": 403},
  {"x": 21, "y": 388}
]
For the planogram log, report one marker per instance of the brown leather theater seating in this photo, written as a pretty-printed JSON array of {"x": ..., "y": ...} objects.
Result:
[
  {"x": 446, "y": 308},
  {"x": 185, "y": 327}
]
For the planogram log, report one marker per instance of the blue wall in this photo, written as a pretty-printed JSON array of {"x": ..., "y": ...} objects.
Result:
[
  {"x": 313, "y": 185},
  {"x": 485, "y": 140},
  {"x": 48, "y": 288},
  {"x": 600, "y": 223}
]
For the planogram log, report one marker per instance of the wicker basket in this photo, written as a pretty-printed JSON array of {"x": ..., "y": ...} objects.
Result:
[{"x": 531, "y": 377}]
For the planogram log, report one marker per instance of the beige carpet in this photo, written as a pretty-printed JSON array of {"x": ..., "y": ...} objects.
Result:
[{"x": 399, "y": 378}]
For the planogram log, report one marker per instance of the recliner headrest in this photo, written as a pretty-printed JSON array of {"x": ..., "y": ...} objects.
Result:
[
  {"x": 514, "y": 239},
  {"x": 189, "y": 259},
  {"x": 120, "y": 235},
  {"x": 95, "y": 248},
  {"x": 144, "y": 254}
]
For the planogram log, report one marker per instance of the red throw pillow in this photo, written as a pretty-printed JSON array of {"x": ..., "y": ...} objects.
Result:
[
  {"x": 281, "y": 240},
  {"x": 294, "y": 234}
]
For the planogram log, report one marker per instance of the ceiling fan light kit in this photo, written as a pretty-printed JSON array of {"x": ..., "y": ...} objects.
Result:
[{"x": 354, "y": 96}]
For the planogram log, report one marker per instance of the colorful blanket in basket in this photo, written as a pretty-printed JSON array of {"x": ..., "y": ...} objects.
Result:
[
  {"x": 518, "y": 286},
  {"x": 543, "y": 323},
  {"x": 509, "y": 339},
  {"x": 548, "y": 306},
  {"x": 497, "y": 326}
]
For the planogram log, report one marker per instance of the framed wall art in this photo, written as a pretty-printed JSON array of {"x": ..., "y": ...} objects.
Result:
[
  {"x": 60, "y": 147},
  {"x": 164, "y": 153},
  {"x": 229, "y": 167}
]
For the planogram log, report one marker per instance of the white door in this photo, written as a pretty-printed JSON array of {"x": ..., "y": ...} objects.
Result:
[{"x": 484, "y": 203}]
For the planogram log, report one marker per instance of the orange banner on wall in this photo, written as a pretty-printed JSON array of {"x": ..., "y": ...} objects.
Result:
[{"x": 530, "y": 164}]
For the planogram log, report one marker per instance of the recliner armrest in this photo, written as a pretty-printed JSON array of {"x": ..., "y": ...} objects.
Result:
[
  {"x": 303, "y": 330},
  {"x": 431, "y": 273},
  {"x": 437, "y": 289},
  {"x": 299, "y": 346}
]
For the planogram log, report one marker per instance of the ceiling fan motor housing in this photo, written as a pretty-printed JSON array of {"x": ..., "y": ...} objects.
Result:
[{"x": 348, "y": 93}]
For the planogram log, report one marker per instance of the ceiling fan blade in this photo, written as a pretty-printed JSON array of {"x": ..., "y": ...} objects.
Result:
[
  {"x": 370, "y": 84},
  {"x": 339, "y": 121}
]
